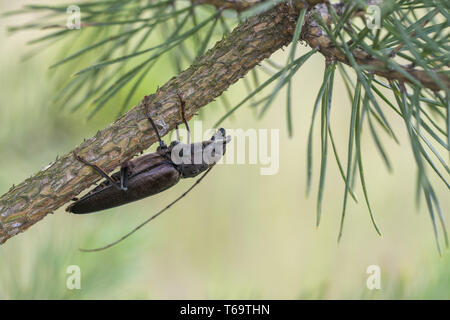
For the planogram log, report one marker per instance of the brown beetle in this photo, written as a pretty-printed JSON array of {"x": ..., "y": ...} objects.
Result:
[{"x": 152, "y": 173}]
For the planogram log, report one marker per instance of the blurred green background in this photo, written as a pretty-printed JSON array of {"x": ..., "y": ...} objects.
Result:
[{"x": 239, "y": 234}]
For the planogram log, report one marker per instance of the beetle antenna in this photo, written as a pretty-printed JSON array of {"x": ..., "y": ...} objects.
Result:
[
  {"x": 183, "y": 116},
  {"x": 147, "y": 113},
  {"x": 152, "y": 217}
]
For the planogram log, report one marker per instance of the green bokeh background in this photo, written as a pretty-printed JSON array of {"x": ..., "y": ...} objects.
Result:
[{"x": 239, "y": 234}]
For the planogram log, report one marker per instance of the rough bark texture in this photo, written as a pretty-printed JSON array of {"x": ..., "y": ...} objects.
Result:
[{"x": 229, "y": 60}]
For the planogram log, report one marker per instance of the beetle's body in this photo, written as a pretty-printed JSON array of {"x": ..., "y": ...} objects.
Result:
[
  {"x": 147, "y": 175},
  {"x": 152, "y": 173}
]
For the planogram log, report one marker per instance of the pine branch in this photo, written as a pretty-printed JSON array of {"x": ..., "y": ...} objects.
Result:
[
  {"x": 318, "y": 39},
  {"x": 230, "y": 59}
]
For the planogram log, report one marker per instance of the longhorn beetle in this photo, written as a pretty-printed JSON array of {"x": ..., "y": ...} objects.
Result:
[{"x": 152, "y": 173}]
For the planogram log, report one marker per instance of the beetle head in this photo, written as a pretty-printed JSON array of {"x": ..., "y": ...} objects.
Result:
[{"x": 196, "y": 158}]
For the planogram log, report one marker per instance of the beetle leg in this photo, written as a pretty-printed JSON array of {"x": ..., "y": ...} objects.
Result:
[
  {"x": 178, "y": 133},
  {"x": 147, "y": 112},
  {"x": 182, "y": 105},
  {"x": 96, "y": 168},
  {"x": 124, "y": 177}
]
